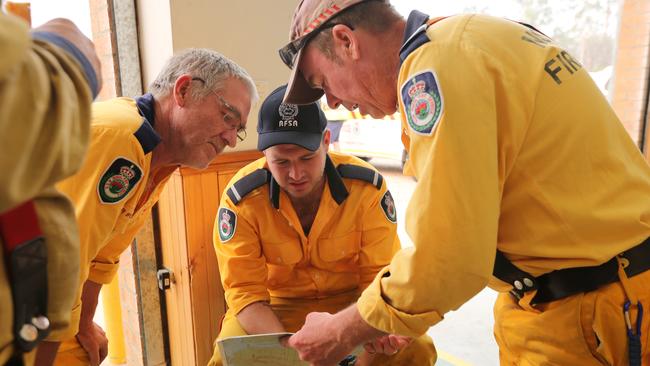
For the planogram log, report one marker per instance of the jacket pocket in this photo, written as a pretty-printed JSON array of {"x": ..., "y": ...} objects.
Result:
[
  {"x": 281, "y": 259},
  {"x": 343, "y": 248},
  {"x": 287, "y": 253}
]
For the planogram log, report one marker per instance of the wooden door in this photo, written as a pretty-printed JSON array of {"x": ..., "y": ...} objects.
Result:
[{"x": 195, "y": 301}]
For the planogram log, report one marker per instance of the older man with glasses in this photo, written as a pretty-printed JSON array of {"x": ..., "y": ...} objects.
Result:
[{"x": 196, "y": 107}]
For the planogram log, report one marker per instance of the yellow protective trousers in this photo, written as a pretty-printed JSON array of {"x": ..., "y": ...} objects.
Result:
[
  {"x": 71, "y": 353},
  {"x": 586, "y": 329},
  {"x": 292, "y": 314}
]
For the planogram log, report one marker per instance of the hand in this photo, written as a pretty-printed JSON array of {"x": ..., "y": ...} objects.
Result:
[
  {"x": 94, "y": 341},
  {"x": 317, "y": 342},
  {"x": 389, "y": 344},
  {"x": 68, "y": 30}
]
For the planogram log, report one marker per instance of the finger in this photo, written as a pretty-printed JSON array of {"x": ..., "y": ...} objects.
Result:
[
  {"x": 292, "y": 341},
  {"x": 284, "y": 341},
  {"x": 386, "y": 347},
  {"x": 91, "y": 351},
  {"x": 394, "y": 342},
  {"x": 103, "y": 352},
  {"x": 370, "y": 348},
  {"x": 93, "y": 357},
  {"x": 404, "y": 341}
]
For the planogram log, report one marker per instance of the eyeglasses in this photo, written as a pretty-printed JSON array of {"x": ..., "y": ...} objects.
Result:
[
  {"x": 288, "y": 53},
  {"x": 232, "y": 118}
]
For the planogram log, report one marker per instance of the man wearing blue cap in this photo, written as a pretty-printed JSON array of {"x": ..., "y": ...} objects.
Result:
[{"x": 304, "y": 230}]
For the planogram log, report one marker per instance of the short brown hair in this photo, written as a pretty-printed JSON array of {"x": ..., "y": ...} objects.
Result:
[{"x": 375, "y": 16}]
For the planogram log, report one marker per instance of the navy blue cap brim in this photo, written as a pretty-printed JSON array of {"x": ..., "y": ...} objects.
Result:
[{"x": 310, "y": 141}]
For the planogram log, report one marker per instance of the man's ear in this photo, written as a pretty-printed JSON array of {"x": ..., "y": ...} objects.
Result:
[
  {"x": 326, "y": 139},
  {"x": 182, "y": 89},
  {"x": 345, "y": 41}
]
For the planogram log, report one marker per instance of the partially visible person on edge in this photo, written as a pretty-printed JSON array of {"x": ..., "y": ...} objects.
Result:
[
  {"x": 303, "y": 229},
  {"x": 198, "y": 105},
  {"x": 48, "y": 80},
  {"x": 527, "y": 183}
]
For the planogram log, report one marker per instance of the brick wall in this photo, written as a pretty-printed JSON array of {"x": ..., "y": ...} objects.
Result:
[
  {"x": 632, "y": 65},
  {"x": 101, "y": 24},
  {"x": 103, "y": 32}
]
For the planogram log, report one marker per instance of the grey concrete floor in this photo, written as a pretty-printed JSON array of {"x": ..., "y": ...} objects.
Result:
[{"x": 465, "y": 336}]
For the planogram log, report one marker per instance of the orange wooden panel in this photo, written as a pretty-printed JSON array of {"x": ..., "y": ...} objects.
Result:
[
  {"x": 187, "y": 210},
  {"x": 174, "y": 252},
  {"x": 200, "y": 209}
]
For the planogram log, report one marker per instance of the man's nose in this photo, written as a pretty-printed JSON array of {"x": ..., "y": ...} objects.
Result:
[
  {"x": 231, "y": 137},
  {"x": 295, "y": 172},
  {"x": 332, "y": 101}
]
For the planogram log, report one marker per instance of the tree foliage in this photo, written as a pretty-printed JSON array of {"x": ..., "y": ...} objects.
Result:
[{"x": 585, "y": 28}]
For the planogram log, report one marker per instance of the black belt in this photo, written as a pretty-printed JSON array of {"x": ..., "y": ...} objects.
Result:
[{"x": 562, "y": 283}]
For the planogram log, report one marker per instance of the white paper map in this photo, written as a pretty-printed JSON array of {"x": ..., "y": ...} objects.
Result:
[{"x": 258, "y": 350}]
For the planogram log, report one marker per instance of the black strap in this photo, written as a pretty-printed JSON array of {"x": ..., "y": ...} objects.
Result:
[
  {"x": 504, "y": 270},
  {"x": 247, "y": 184},
  {"x": 562, "y": 283},
  {"x": 362, "y": 173},
  {"x": 337, "y": 188},
  {"x": 26, "y": 263},
  {"x": 16, "y": 360}
]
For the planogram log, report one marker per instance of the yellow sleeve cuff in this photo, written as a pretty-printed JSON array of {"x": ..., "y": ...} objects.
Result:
[
  {"x": 102, "y": 273},
  {"x": 381, "y": 315}
]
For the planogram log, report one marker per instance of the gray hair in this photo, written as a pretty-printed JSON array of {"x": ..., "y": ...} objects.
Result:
[{"x": 211, "y": 67}]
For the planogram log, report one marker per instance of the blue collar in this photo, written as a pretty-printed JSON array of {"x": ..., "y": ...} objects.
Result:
[
  {"x": 414, "y": 33},
  {"x": 146, "y": 135}
]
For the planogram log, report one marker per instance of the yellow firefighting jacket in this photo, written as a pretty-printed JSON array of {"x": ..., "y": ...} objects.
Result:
[
  {"x": 44, "y": 123},
  {"x": 108, "y": 193},
  {"x": 515, "y": 148},
  {"x": 263, "y": 251}
]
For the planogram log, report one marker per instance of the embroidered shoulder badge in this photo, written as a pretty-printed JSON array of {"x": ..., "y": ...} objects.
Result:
[
  {"x": 227, "y": 224},
  {"x": 388, "y": 206},
  {"x": 423, "y": 102},
  {"x": 118, "y": 180}
]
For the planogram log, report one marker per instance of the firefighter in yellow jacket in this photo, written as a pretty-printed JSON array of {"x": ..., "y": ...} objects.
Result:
[
  {"x": 527, "y": 182},
  {"x": 303, "y": 230},
  {"x": 197, "y": 105},
  {"x": 47, "y": 83}
]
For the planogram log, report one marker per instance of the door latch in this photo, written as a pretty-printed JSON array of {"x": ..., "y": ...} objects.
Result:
[{"x": 164, "y": 279}]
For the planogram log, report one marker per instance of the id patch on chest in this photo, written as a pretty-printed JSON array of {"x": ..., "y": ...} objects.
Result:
[
  {"x": 388, "y": 206},
  {"x": 423, "y": 102},
  {"x": 227, "y": 224},
  {"x": 118, "y": 180}
]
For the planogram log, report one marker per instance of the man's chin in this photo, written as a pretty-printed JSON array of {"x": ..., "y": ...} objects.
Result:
[
  {"x": 377, "y": 113},
  {"x": 199, "y": 165}
]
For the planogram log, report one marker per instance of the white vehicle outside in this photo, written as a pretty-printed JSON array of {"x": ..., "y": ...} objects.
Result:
[{"x": 366, "y": 137}]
